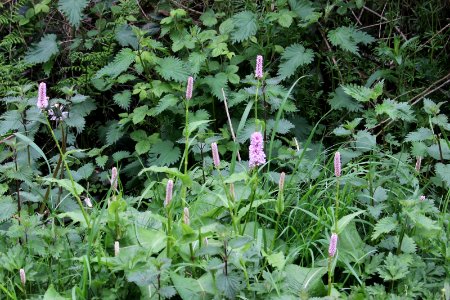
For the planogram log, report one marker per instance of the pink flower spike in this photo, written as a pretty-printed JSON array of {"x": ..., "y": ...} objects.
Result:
[
  {"x": 215, "y": 154},
  {"x": 189, "y": 88},
  {"x": 256, "y": 150},
  {"x": 418, "y": 163},
  {"x": 169, "y": 190},
  {"x": 23, "y": 278},
  {"x": 422, "y": 198},
  {"x": 281, "y": 182},
  {"x": 116, "y": 248},
  {"x": 337, "y": 164},
  {"x": 114, "y": 178},
  {"x": 88, "y": 202},
  {"x": 333, "y": 245},
  {"x": 42, "y": 101},
  {"x": 186, "y": 216},
  {"x": 259, "y": 67}
]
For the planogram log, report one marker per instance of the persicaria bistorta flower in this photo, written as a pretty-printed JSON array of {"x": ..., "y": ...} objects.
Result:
[
  {"x": 116, "y": 248},
  {"x": 337, "y": 164},
  {"x": 281, "y": 181},
  {"x": 186, "y": 216},
  {"x": 418, "y": 163},
  {"x": 256, "y": 150},
  {"x": 189, "y": 87},
  {"x": 23, "y": 277},
  {"x": 114, "y": 178},
  {"x": 215, "y": 154},
  {"x": 42, "y": 101},
  {"x": 88, "y": 202},
  {"x": 422, "y": 198},
  {"x": 169, "y": 189},
  {"x": 333, "y": 245},
  {"x": 259, "y": 67}
]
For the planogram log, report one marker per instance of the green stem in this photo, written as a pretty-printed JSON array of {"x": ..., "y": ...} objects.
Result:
[
  {"x": 336, "y": 213},
  {"x": 169, "y": 225},
  {"x": 330, "y": 276},
  {"x": 256, "y": 104}
]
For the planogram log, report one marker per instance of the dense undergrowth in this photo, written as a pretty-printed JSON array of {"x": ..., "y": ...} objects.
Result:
[{"x": 224, "y": 149}]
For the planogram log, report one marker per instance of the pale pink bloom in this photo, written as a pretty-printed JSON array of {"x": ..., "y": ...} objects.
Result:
[
  {"x": 42, "y": 101},
  {"x": 215, "y": 154},
  {"x": 23, "y": 278},
  {"x": 337, "y": 164},
  {"x": 418, "y": 163},
  {"x": 333, "y": 244},
  {"x": 169, "y": 189},
  {"x": 186, "y": 219},
  {"x": 256, "y": 150},
  {"x": 116, "y": 248},
  {"x": 281, "y": 181},
  {"x": 88, "y": 202},
  {"x": 422, "y": 198},
  {"x": 189, "y": 87},
  {"x": 114, "y": 178},
  {"x": 259, "y": 67}
]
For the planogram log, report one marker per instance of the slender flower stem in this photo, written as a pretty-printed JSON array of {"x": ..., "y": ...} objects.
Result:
[
  {"x": 256, "y": 104},
  {"x": 77, "y": 197},
  {"x": 186, "y": 152},
  {"x": 330, "y": 276},
  {"x": 336, "y": 213}
]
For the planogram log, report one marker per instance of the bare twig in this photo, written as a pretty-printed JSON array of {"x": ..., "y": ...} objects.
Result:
[
  {"x": 384, "y": 18},
  {"x": 142, "y": 11},
  {"x": 185, "y": 7},
  {"x": 229, "y": 122}
]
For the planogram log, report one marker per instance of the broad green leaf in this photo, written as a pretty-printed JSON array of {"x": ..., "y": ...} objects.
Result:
[
  {"x": 52, "y": 294},
  {"x": 8, "y": 208},
  {"x": 191, "y": 289},
  {"x": 172, "y": 68},
  {"x": 42, "y": 51},
  {"x": 342, "y": 223},
  {"x": 340, "y": 100},
  {"x": 123, "y": 99},
  {"x": 208, "y": 18},
  {"x": 164, "y": 153},
  {"x": 75, "y": 216},
  {"x": 348, "y": 38},
  {"x": 120, "y": 64},
  {"x": 443, "y": 171},
  {"x": 245, "y": 26},
  {"x": 126, "y": 37},
  {"x": 309, "y": 279},
  {"x": 385, "y": 225},
  {"x": 421, "y": 134},
  {"x": 293, "y": 57},
  {"x": 73, "y": 10},
  {"x": 171, "y": 171}
]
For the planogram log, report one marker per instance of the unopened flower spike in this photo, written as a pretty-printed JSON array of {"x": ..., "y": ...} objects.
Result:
[
  {"x": 169, "y": 189},
  {"x": 259, "y": 67},
  {"x": 281, "y": 182},
  {"x": 337, "y": 164},
  {"x": 42, "y": 101},
  {"x": 333, "y": 245},
  {"x": 116, "y": 248},
  {"x": 88, "y": 202},
  {"x": 189, "y": 88},
  {"x": 23, "y": 277},
  {"x": 215, "y": 154},
  {"x": 186, "y": 219},
  {"x": 114, "y": 178},
  {"x": 256, "y": 150}
]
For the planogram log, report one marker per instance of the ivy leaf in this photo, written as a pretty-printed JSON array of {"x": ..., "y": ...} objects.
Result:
[
  {"x": 42, "y": 51},
  {"x": 348, "y": 38},
  {"x": 246, "y": 26},
  {"x": 293, "y": 57},
  {"x": 120, "y": 64},
  {"x": 421, "y": 134},
  {"x": 164, "y": 154},
  {"x": 385, "y": 225},
  {"x": 172, "y": 68},
  {"x": 73, "y": 10},
  {"x": 123, "y": 99},
  {"x": 443, "y": 171}
]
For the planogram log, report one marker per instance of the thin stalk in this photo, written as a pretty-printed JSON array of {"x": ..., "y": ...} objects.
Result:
[
  {"x": 336, "y": 213},
  {"x": 330, "y": 275}
]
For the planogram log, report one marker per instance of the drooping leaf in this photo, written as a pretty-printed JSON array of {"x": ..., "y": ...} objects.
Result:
[
  {"x": 293, "y": 57},
  {"x": 42, "y": 51},
  {"x": 73, "y": 10},
  {"x": 245, "y": 26}
]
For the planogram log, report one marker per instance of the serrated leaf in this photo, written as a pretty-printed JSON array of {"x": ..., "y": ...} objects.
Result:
[
  {"x": 395, "y": 110},
  {"x": 340, "y": 100},
  {"x": 208, "y": 18},
  {"x": 443, "y": 171},
  {"x": 171, "y": 68},
  {"x": 348, "y": 38},
  {"x": 164, "y": 103},
  {"x": 119, "y": 155},
  {"x": 394, "y": 268},
  {"x": 120, "y": 64},
  {"x": 170, "y": 171},
  {"x": 164, "y": 154},
  {"x": 114, "y": 132},
  {"x": 101, "y": 161},
  {"x": 73, "y": 10},
  {"x": 217, "y": 83},
  {"x": 408, "y": 245},
  {"x": 421, "y": 134},
  {"x": 8, "y": 208},
  {"x": 365, "y": 141},
  {"x": 362, "y": 93},
  {"x": 293, "y": 57},
  {"x": 123, "y": 99},
  {"x": 86, "y": 170},
  {"x": 228, "y": 284},
  {"x": 42, "y": 51},
  {"x": 385, "y": 225},
  {"x": 126, "y": 37},
  {"x": 246, "y": 26}
]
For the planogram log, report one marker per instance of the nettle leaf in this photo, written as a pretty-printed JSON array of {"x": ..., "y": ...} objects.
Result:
[
  {"x": 421, "y": 134},
  {"x": 208, "y": 18},
  {"x": 443, "y": 171},
  {"x": 171, "y": 68},
  {"x": 362, "y": 93},
  {"x": 340, "y": 100},
  {"x": 364, "y": 141},
  {"x": 284, "y": 126},
  {"x": 42, "y": 51},
  {"x": 164, "y": 154},
  {"x": 114, "y": 132},
  {"x": 73, "y": 10},
  {"x": 164, "y": 103},
  {"x": 246, "y": 26},
  {"x": 229, "y": 284},
  {"x": 385, "y": 225},
  {"x": 348, "y": 38},
  {"x": 9, "y": 208},
  {"x": 120, "y": 64},
  {"x": 126, "y": 37},
  {"x": 123, "y": 99},
  {"x": 306, "y": 11},
  {"x": 217, "y": 83},
  {"x": 394, "y": 268},
  {"x": 395, "y": 110},
  {"x": 435, "y": 150},
  {"x": 293, "y": 57},
  {"x": 408, "y": 245}
]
